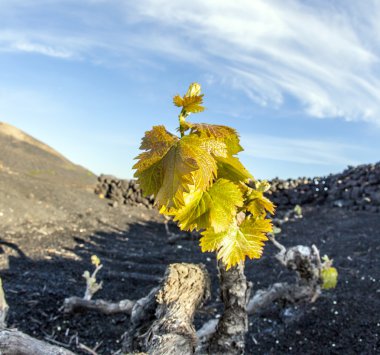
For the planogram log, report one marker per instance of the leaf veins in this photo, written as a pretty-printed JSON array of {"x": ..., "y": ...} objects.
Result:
[
  {"x": 215, "y": 208},
  {"x": 237, "y": 242}
]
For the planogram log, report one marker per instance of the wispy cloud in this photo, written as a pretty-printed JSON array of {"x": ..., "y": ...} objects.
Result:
[
  {"x": 42, "y": 49},
  {"x": 302, "y": 151},
  {"x": 319, "y": 53},
  {"x": 325, "y": 55}
]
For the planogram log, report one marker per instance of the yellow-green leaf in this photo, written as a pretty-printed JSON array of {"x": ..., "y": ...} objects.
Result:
[
  {"x": 214, "y": 208},
  {"x": 225, "y": 134},
  {"x": 178, "y": 101},
  {"x": 185, "y": 164},
  {"x": 157, "y": 143},
  {"x": 231, "y": 168},
  {"x": 262, "y": 186},
  {"x": 329, "y": 277},
  {"x": 258, "y": 204},
  {"x": 150, "y": 178},
  {"x": 191, "y": 104},
  {"x": 193, "y": 90},
  {"x": 215, "y": 147},
  {"x": 95, "y": 260},
  {"x": 158, "y": 140},
  {"x": 237, "y": 242},
  {"x": 177, "y": 166},
  {"x": 207, "y": 168},
  {"x": 169, "y": 165}
]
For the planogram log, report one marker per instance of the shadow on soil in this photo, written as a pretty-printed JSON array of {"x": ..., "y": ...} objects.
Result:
[{"x": 135, "y": 258}]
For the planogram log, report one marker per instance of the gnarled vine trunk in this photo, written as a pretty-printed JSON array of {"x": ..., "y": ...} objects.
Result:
[
  {"x": 14, "y": 342},
  {"x": 232, "y": 327},
  {"x": 163, "y": 322}
]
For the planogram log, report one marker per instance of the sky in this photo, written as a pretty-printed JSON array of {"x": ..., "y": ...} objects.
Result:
[{"x": 299, "y": 80}]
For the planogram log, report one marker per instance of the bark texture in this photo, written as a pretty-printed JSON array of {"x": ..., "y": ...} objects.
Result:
[
  {"x": 232, "y": 327},
  {"x": 306, "y": 263},
  {"x": 13, "y": 342},
  {"x": 77, "y": 304},
  {"x": 184, "y": 288},
  {"x": 3, "y": 307},
  {"x": 281, "y": 291},
  {"x": 142, "y": 317}
]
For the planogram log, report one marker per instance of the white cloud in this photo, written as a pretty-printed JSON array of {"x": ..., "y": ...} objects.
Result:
[
  {"x": 318, "y": 53},
  {"x": 302, "y": 151},
  {"x": 41, "y": 49},
  {"x": 325, "y": 55}
]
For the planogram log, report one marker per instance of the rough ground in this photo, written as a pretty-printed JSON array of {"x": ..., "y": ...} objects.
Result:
[
  {"x": 39, "y": 185},
  {"x": 51, "y": 224},
  {"x": 39, "y": 271}
]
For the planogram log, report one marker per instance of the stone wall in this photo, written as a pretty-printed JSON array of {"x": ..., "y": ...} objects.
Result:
[
  {"x": 356, "y": 188},
  {"x": 122, "y": 192}
]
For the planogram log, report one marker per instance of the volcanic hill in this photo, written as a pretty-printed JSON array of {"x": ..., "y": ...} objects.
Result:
[
  {"x": 38, "y": 184},
  {"x": 52, "y": 222}
]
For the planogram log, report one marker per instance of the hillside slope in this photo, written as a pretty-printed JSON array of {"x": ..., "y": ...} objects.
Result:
[{"x": 37, "y": 184}]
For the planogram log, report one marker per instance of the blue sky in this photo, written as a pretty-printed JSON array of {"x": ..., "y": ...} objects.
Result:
[{"x": 299, "y": 80}]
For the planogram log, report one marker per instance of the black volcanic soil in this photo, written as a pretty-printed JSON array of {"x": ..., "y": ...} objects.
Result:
[
  {"x": 51, "y": 223},
  {"x": 38, "y": 185},
  {"x": 39, "y": 271}
]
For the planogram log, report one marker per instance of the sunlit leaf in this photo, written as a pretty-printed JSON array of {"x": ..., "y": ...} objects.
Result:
[
  {"x": 231, "y": 168},
  {"x": 193, "y": 104},
  {"x": 192, "y": 101},
  {"x": 185, "y": 164},
  {"x": 215, "y": 208},
  {"x": 177, "y": 166},
  {"x": 178, "y": 101},
  {"x": 329, "y": 277},
  {"x": 262, "y": 186},
  {"x": 157, "y": 142},
  {"x": 225, "y": 134},
  {"x": 194, "y": 90},
  {"x": 95, "y": 260},
  {"x": 215, "y": 147},
  {"x": 258, "y": 204},
  {"x": 207, "y": 168},
  {"x": 197, "y": 179},
  {"x": 237, "y": 242}
]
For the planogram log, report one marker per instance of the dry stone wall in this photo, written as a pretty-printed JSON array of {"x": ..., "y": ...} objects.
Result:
[
  {"x": 122, "y": 192},
  {"x": 356, "y": 188}
]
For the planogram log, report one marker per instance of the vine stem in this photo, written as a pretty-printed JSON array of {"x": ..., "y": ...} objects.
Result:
[{"x": 232, "y": 327}]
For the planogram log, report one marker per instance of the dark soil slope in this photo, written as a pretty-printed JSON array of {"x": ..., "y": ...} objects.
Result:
[
  {"x": 40, "y": 271},
  {"x": 51, "y": 222},
  {"x": 37, "y": 184}
]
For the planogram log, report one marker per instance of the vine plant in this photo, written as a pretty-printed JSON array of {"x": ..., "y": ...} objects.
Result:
[{"x": 197, "y": 179}]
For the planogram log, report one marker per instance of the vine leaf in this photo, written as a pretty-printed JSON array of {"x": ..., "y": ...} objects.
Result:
[
  {"x": 198, "y": 179},
  {"x": 225, "y": 134},
  {"x": 237, "y": 242},
  {"x": 177, "y": 165},
  {"x": 192, "y": 101},
  {"x": 329, "y": 274},
  {"x": 157, "y": 142},
  {"x": 257, "y": 203},
  {"x": 231, "y": 168},
  {"x": 207, "y": 167},
  {"x": 171, "y": 165},
  {"x": 215, "y": 208},
  {"x": 191, "y": 104},
  {"x": 329, "y": 277},
  {"x": 214, "y": 147}
]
